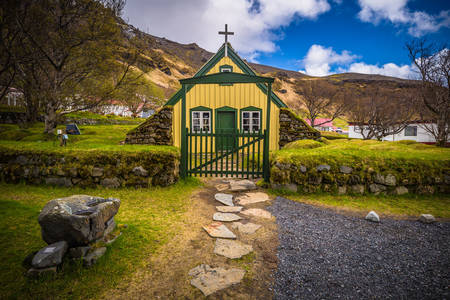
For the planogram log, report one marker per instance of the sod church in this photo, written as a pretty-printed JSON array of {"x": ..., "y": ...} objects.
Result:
[{"x": 224, "y": 118}]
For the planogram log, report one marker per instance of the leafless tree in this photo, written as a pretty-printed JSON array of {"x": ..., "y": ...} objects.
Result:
[{"x": 433, "y": 65}]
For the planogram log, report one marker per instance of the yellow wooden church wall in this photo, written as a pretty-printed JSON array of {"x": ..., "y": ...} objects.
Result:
[{"x": 237, "y": 96}]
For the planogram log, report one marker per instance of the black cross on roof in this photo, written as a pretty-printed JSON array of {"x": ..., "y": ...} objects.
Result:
[{"x": 226, "y": 33}]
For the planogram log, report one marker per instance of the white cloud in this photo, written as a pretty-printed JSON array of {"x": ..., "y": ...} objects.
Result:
[
  {"x": 396, "y": 11},
  {"x": 319, "y": 59},
  {"x": 199, "y": 20},
  {"x": 322, "y": 61}
]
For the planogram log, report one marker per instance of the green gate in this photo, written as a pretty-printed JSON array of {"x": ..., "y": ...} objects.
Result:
[{"x": 225, "y": 154}]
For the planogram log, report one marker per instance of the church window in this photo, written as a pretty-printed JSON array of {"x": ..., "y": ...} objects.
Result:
[{"x": 201, "y": 121}]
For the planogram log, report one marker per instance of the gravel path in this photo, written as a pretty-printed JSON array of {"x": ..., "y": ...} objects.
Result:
[{"x": 325, "y": 255}]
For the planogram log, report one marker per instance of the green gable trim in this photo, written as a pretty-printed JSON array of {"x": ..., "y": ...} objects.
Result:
[
  {"x": 222, "y": 67},
  {"x": 226, "y": 77},
  {"x": 212, "y": 62}
]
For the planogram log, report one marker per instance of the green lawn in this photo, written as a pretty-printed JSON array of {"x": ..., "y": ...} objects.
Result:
[
  {"x": 151, "y": 216},
  {"x": 407, "y": 205},
  {"x": 93, "y": 137}
]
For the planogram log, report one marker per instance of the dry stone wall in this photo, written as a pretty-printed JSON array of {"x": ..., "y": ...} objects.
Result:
[
  {"x": 157, "y": 130},
  {"x": 293, "y": 128}
]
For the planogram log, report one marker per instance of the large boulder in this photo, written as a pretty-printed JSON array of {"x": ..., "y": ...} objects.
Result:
[{"x": 78, "y": 219}]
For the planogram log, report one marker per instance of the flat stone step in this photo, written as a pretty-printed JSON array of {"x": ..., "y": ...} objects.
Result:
[
  {"x": 257, "y": 212},
  {"x": 248, "y": 228},
  {"x": 231, "y": 249},
  {"x": 250, "y": 198},
  {"x": 225, "y": 217},
  {"x": 229, "y": 209},
  {"x": 219, "y": 230},
  {"x": 226, "y": 199},
  {"x": 210, "y": 280},
  {"x": 242, "y": 185}
]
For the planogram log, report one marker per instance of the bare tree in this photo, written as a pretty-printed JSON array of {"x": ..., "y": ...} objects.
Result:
[
  {"x": 321, "y": 98},
  {"x": 433, "y": 65}
]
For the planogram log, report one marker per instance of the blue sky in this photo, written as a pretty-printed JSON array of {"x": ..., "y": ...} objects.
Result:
[{"x": 317, "y": 37}]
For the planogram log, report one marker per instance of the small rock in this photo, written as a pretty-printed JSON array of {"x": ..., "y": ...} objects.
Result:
[
  {"x": 250, "y": 198},
  {"x": 97, "y": 172},
  {"x": 79, "y": 252},
  {"x": 225, "y": 217},
  {"x": 345, "y": 169},
  {"x": 226, "y": 199},
  {"x": 376, "y": 188},
  {"x": 222, "y": 187},
  {"x": 92, "y": 257},
  {"x": 322, "y": 168},
  {"x": 390, "y": 180},
  {"x": 140, "y": 171},
  {"x": 373, "y": 217},
  {"x": 400, "y": 190},
  {"x": 358, "y": 189},
  {"x": 379, "y": 178},
  {"x": 210, "y": 280},
  {"x": 342, "y": 190},
  {"x": 229, "y": 209},
  {"x": 34, "y": 273},
  {"x": 218, "y": 230},
  {"x": 242, "y": 185},
  {"x": 50, "y": 256},
  {"x": 427, "y": 218},
  {"x": 248, "y": 228},
  {"x": 110, "y": 182},
  {"x": 231, "y": 249},
  {"x": 257, "y": 212}
]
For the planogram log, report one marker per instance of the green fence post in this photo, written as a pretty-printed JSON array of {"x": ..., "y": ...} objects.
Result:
[
  {"x": 266, "y": 166},
  {"x": 183, "y": 170}
]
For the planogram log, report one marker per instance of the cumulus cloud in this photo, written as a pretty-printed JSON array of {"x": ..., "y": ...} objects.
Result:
[
  {"x": 256, "y": 23},
  {"x": 323, "y": 61},
  {"x": 419, "y": 23}
]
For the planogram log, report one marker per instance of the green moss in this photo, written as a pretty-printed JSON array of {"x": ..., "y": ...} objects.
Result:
[{"x": 303, "y": 144}]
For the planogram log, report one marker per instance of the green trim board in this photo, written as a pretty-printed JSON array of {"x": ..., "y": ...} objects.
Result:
[
  {"x": 201, "y": 108},
  {"x": 222, "y": 67},
  {"x": 250, "y": 108},
  {"x": 239, "y": 62},
  {"x": 227, "y": 77}
]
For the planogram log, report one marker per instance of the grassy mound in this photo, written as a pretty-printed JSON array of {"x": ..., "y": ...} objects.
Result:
[{"x": 303, "y": 144}]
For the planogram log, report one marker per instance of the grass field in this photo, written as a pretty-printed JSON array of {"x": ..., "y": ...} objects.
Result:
[
  {"x": 151, "y": 216},
  {"x": 93, "y": 137}
]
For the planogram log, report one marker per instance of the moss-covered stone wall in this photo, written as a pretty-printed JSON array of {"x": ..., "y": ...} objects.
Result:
[
  {"x": 294, "y": 128},
  {"x": 157, "y": 130},
  {"x": 90, "y": 168}
]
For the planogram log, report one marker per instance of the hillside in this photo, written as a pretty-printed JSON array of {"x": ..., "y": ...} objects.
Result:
[{"x": 170, "y": 61}]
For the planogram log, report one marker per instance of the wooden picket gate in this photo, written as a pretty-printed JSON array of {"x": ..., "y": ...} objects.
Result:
[{"x": 225, "y": 154}]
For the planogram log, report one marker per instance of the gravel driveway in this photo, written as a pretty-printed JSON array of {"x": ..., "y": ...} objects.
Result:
[{"x": 326, "y": 255}]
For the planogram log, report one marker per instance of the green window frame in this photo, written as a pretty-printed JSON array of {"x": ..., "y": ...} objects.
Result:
[
  {"x": 225, "y": 68},
  {"x": 250, "y": 118},
  {"x": 201, "y": 117}
]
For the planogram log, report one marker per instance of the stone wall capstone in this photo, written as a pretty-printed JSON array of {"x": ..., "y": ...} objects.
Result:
[
  {"x": 157, "y": 130},
  {"x": 293, "y": 128}
]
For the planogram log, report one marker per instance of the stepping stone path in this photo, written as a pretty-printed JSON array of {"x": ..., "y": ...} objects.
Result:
[
  {"x": 248, "y": 228},
  {"x": 226, "y": 217},
  {"x": 218, "y": 230},
  {"x": 210, "y": 280},
  {"x": 226, "y": 199},
  {"x": 229, "y": 209},
  {"x": 231, "y": 249},
  {"x": 242, "y": 185},
  {"x": 257, "y": 212},
  {"x": 250, "y": 198}
]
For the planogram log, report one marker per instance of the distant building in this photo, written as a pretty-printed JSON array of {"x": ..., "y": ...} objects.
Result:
[
  {"x": 415, "y": 131},
  {"x": 13, "y": 97},
  {"x": 326, "y": 126}
]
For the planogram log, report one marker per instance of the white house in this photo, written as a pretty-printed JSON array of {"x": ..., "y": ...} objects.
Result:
[{"x": 415, "y": 131}]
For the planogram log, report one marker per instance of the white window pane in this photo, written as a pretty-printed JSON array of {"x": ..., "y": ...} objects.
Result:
[
  {"x": 255, "y": 114},
  {"x": 206, "y": 115},
  {"x": 196, "y": 115},
  {"x": 246, "y": 115}
]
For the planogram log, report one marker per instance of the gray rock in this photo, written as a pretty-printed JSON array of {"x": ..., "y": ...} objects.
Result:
[
  {"x": 345, "y": 169},
  {"x": 22, "y": 160},
  {"x": 226, "y": 199},
  {"x": 110, "y": 182},
  {"x": 248, "y": 228},
  {"x": 97, "y": 172},
  {"x": 342, "y": 190},
  {"x": 425, "y": 190},
  {"x": 322, "y": 168},
  {"x": 376, "y": 188},
  {"x": 357, "y": 189},
  {"x": 242, "y": 185},
  {"x": 140, "y": 171},
  {"x": 79, "y": 252},
  {"x": 292, "y": 187},
  {"x": 427, "y": 218},
  {"x": 250, "y": 198},
  {"x": 218, "y": 230},
  {"x": 78, "y": 219},
  {"x": 50, "y": 256},
  {"x": 400, "y": 190},
  {"x": 257, "y": 212},
  {"x": 390, "y": 180},
  {"x": 378, "y": 178},
  {"x": 231, "y": 249},
  {"x": 59, "y": 181},
  {"x": 210, "y": 280},
  {"x": 229, "y": 209},
  {"x": 92, "y": 257},
  {"x": 303, "y": 169},
  {"x": 225, "y": 217},
  {"x": 110, "y": 226},
  {"x": 373, "y": 217},
  {"x": 35, "y": 273}
]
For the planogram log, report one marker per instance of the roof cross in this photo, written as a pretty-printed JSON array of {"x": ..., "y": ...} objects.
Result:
[{"x": 226, "y": 33}]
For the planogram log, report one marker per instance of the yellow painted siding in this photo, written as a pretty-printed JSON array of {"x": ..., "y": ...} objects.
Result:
[{"x": 237, "y": 96}]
